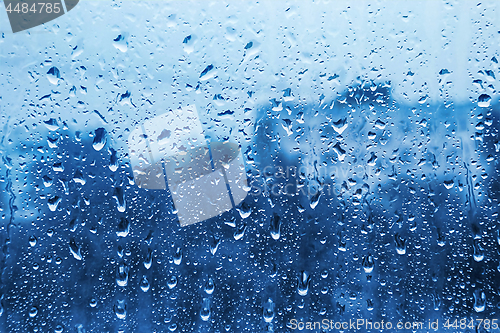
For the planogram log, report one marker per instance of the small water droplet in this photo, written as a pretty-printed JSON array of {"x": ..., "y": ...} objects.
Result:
[
  {"x": 313, "y": 202},
  {"x": 33, "y": 312},
  {"x": 479, "y": 301},
  {"x": 245, "y": 210},
  {"x": 448, "y": 184},
  {"x": 53, "y": 203},
  {"x": 340, "y": 125},
  {"x": 119, "y": 196},
  {"x": 144, "y": 284},
  {"x": 78, "y": 177},
  {"x": 149, "y": 259},
  {"x": 240, "y": 232},
  {"x": 304, "y": 280},
  {"x": 172, "y": 282},
  {"x": 484, "y": 100},
  {"x": 51, "y": 124},
  {"x": 210, "y": 286},
  {"x": 178, "y": 256},
  {"x": 53, "y": 75},
  {"x": 369, "y": 305},
  {"x": 93, "y": 303},
  {"x": 120, "y": 43},
  {"x": 120, "y": 309},
  {"x": 99, "y": 139},
  {"x": 75, "y": 250},
  {"x": 275, "y": 227},
  {"x": 205, "y": 310},
  {"x": 400, "y": 244},
  {"x": 368, "y": 264},
  {"x": 113, "y": 160},
  {"x": 122, "y": 275},
  {"x": 214, "y": 244},
  {"x": 268, "y": 311},
  {"x": 123, "y": 228},
  {"x": 478, "y": 251}
]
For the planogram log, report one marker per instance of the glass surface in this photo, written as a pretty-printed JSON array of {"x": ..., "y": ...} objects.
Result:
[{"x": 340, "y": 172}]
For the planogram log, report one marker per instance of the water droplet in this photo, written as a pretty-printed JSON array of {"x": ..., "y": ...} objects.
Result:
[
  {"x": 113, "y": 160},
  {"x": 47, "y": 181},
  {"x": 75, "y": 250},
  {"x": 205, "y": 310},
  {"x": 78, "y": 178},
  {"x": 275, "y": 226},
  {"x": 368, "y": 264},
  {"x": 373, "y": 160},
  {"x": 210, "y": 286},
  {"x": 207, "y": 73},
  {"x": 484, "y": 101},
  {"x": 448, "y": 184},
  {"x": 178, "y": 256},
  {"x": 119, "y": 196},
  {"x": 314, "y": 200},
  {"x": 99, "y": 139},
  {"x": 400, "y": 244},
  {"x": 341, "y": 153},
  {"x": 123, "y": 228},
  {"x": 245, "y": 210},
  {"x": 479, "y": 301},
  {"x": 340, "y": 125},
  {"x": 304, "y": 280},
  {"x": 120, "y": 43},
  {"x": 144, "y": 284},
  {"x": 268, "y": 311},
  {"x": 33, "y": 312},
  {"x": 342, "y": 245},
  {"x": 93, "y": 303},
  {"x": 369, "y": 305},
  {"x": 32, "y": 240},
  {"x": 53, "y": 75},
  {"x": 172, "y": 282},
  {"x": 122, "y": 275},
  {"x": 52, "y": 142},
  {"x": 287, "y": 126},
  {"x": 214, "y": 244},
  {"x": 51, "y": 124},
  {"x": 120, "y": 309},
  {"x": 53, "y": 203},
  {"x": 478, "y": 251},
  {"x": 149, "y": 259},
  {"x": 379, "y": 124},
  {"x": 58, "y": 167},
  {"x": 240, "y": 232}
]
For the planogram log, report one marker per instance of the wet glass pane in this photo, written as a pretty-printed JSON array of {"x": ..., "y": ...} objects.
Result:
[{"x": 271, "y": 166}]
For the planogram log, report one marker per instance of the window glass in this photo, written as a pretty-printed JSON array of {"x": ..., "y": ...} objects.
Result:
[{"x": 228, "y": 166}]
